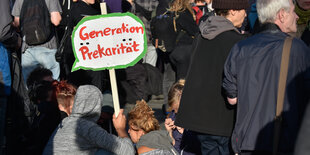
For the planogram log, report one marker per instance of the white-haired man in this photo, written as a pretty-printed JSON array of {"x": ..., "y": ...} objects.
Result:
[{"x": 251, "y": 81}]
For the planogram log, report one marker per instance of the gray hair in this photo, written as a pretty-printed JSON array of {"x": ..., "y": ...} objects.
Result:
[{"x": 267, "y": 9}]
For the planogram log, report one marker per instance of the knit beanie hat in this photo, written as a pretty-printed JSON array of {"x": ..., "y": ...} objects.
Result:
[{"x": 230, "y": 4}]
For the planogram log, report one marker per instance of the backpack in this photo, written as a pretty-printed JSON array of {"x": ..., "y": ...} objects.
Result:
[
  {"x": 35, "y": 22},
  {"x": 198, "y": 13},
  {"x": 163, "y": 29},
  {"x": 202, "y": 15}
]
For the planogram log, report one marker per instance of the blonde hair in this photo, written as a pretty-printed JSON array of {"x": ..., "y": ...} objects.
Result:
[
  {"x": 180, "y": 6},
  {"x": 142, "y": 116},
  {"x": 175, "y": 93}
]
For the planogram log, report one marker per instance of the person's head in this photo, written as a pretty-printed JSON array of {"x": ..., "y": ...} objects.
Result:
[
  {"x": 141, "y": 120},
  {"x": 233, "y": 10},
  {"x": 40, "y": 91},
  {"x": 280, "y": 12},
  {"x": 64, "y": 94},
  {"x": 39, "y": 74},
  {"x": 174, "y": 95},
  {"x": 181, "y": 5},
  {"x": 87, "y": 103},
  {"x": 303, "y": 4}
]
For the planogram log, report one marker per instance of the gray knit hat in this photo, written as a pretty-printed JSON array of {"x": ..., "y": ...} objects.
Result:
[{"x": 230, "y": 4}]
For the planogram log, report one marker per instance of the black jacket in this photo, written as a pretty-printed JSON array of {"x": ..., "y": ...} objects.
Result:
[{"x": 203, "y": 107}]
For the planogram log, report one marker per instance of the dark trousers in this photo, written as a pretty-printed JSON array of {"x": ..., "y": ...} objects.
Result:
[
  {"x": 180, "y": 58},
  {"x": 214, "y": 145}
]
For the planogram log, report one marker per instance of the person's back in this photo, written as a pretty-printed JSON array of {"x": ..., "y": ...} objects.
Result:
[
  {"x": 251, "y": 78},
  {"x": 263, "y": 66},
  {"x": 42, "y": 53},
  {"x": 203, "y": 107},
  {"x": 79, "y": 134}
]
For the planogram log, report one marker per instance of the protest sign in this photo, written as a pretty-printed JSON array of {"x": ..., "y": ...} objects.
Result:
[{"x": 108, "y": 41}]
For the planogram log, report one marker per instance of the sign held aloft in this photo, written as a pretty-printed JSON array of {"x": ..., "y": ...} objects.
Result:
[{"x": 116, "y": 40}]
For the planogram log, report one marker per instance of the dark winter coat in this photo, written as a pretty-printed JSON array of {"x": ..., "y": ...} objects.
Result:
[
  {"x": 203, "y": 107},
  {"x": 251, "y": 74}
]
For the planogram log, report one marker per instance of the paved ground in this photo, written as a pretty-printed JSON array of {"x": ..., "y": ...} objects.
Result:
[{"x": 155, "y": 103}]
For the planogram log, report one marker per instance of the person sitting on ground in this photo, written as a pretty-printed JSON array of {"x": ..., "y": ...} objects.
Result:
[
  {"x": 79, "y": 133},
  {"x": 184, "y": 141},
  {"x": 46, "y": 119},
  {"x": 144, "y": 131},
  {"x": 64, "y": 93}
]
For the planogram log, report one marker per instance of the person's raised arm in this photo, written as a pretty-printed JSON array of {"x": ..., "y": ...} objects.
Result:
[{"x": 120, "y": 124}]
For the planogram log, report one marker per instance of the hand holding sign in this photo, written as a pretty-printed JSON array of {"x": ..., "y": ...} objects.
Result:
[{"x": 111, "y": 42}]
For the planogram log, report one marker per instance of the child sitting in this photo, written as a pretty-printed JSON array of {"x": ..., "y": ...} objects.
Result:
[{"x": 184, "y": 141}]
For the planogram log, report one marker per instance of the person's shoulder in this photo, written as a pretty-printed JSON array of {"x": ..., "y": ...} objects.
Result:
[{"x": 300, "y": 48}]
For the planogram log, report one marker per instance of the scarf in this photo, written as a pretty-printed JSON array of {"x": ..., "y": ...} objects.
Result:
[{"x": 304, "y": 15}]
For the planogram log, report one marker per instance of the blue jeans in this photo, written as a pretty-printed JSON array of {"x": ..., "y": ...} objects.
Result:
[
  {"x": 214, "y": 145},
  {"x": 35, "y": 56}
]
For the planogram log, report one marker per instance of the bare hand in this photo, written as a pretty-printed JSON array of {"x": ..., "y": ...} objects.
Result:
[
  {"x": 169, "y": 124},
  {"x": 119, "y": 122},
  {"x": 130, "y": 1}
]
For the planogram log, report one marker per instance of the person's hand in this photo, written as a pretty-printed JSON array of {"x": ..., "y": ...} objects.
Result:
[
  {"x": 119, "y": 123},
  {"x": 169, "y": 124},
  {"x": 130, "y": 1}
]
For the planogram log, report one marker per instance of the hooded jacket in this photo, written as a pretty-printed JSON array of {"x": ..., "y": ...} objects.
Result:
[
  {"x": 203, "y": 108},
  {"x": 79, "y": 133},
  {"x": 160, "y": 140}
]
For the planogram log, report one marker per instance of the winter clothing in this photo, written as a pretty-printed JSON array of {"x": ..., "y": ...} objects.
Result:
[
  {"x": 180, "y": 56},
  {"x": 202, "y": 99},
  {"x": 159, "y": 140},
  {"x": 251, "y": 74},
  {"x": 79, "y": 133},
  {"x": 186, "y": 142}
]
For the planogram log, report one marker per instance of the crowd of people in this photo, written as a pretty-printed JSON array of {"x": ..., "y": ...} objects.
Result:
[{"x": 219, "y": 80}]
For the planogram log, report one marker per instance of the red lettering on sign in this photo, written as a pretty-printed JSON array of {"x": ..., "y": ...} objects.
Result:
[
  {"x": 122, "y": 48},
  {"x": 81, "y": 34},
  {"x": 135, "y": 45},
  {"x": 95, "y": 54},
  {"x": 92, "y": 34},
  {"x": 84, "y": 50},
  {"x": 106, "y": 31},
  {"x": 100, "y": 50}
]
